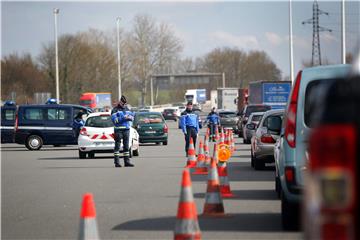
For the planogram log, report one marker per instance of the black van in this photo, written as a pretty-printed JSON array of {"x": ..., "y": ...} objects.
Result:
[
  {"x": 48, "y": 124},
  {"x": 8, "y": 111}
]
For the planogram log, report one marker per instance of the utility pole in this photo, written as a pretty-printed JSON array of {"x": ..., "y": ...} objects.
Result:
[
  {"x": 316, "y": 53},
  {"x": 118, "y": 19},
  {"x": 223, "y": 80},
  {"x": 56, "y": 12}
]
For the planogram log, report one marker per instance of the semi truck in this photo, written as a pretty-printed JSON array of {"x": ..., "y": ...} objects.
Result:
[
  {"x": 242, "y": 99},
  {"x": 96, "y": 101},
  {"x": 227, "y": 98},
  {"x": 196, "y": 96},
  {"x": 272, "y": 93}
]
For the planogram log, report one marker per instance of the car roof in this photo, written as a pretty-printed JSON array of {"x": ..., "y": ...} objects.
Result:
[
  {"x": 51, "y": 105},
  {"x": 257, "y": 113},
  {"x": 273, "y": 112},
  {"x": 324, "y": 72},
  {"x": 148, "y": 113}
]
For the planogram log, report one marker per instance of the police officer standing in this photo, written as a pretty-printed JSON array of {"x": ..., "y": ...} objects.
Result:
[
  {"x": 78, "y": 123},
  {"x": 189, "y": 124},
  {"x": 122, "y": 119},
  {"x": 213, "y": 122}
]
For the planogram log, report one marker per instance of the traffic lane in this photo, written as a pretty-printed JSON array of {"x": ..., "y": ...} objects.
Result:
[{"x": 42, "y": 195}]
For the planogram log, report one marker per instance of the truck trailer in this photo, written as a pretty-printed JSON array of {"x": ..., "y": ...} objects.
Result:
[
  {"x": 96, "y": 101},
  {"x": 227, "y": 98}
]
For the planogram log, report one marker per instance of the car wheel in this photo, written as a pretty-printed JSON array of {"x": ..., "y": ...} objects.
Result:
[
  {"x": 289, "y": 214},
  {"x": 82, "y": 155},
  {"x": 158, "y": 143},
  {"x": 165, "y": 143},
  {"x": 34, "y": 142},
  {"x": 258, "y": 164},
  {"x": 91, "y": 155},
  {"x": 136, "y": 152},
  {"x": 252, "y": 158}
]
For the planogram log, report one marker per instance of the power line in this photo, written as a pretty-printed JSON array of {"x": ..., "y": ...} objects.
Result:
[{"x": 316, "y": 52}]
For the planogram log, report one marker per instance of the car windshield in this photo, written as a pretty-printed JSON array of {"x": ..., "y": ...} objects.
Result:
[
  {"x": 99, "y": 121},
  {"x": 251, "y": 109},
  {"x": 227, "y": 114},
  {"x": 148, "y": 119},
  {"x": 169, "y": 110}
]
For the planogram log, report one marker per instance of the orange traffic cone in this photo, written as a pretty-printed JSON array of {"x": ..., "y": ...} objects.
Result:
[
  {"x": 217, "y": 136},
  {"x": 88, "y": 226},
  {"x": 224, "y": 181},
  {"x": 232, "y": 142},
  {"x": 222, "y": 137},
  {"x": 215, "y": 155},
  {"x": 227, "y": 137},
  {"x": 207, "y": 153},
  {"x": 191, "y": 162},
  {"x": 201, "y": 165},
  {"x": 213, "y": 201},
  {"x": 187, "y": 226}
]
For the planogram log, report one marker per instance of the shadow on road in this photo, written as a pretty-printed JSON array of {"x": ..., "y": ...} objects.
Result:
[
  {"x": 266, "y": 194},
  {"x": 258, "y": 222}
]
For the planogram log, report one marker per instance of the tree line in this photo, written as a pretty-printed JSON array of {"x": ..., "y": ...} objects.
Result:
[{"x": 88, "y": 63}]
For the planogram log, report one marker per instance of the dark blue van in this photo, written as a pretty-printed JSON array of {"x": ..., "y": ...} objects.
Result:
[
  {"x": 48, "y": 124},
  {"x": 8, "y": 111}
]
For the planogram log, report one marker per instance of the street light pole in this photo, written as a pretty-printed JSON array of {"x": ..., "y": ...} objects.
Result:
[
  {"x": 343, "y": 43},
  {"x": 223, "y": 79},
  {"x": 151, "y": 91},
  {"x": 56, "y": 12},
  {"x": 118, "y": 57}
]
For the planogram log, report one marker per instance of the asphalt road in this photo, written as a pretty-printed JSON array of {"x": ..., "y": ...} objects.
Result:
[{"x": 42, "y": 193}]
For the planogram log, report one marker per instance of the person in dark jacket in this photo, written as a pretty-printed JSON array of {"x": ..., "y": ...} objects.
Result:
[
  {"x": 78, "y": 123},
  {"x": 213, "y": 122},
  {"x": 122, "y": 119},
  {"x": 189, "y": 125}
]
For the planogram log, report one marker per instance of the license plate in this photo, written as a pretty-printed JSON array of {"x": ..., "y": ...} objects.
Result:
[
  {"x": 103, "y": 144},
  {"x": 150, "y": 131}
]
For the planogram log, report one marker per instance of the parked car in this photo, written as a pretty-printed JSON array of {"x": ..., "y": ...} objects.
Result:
[
  {"x": 151, "y": 127},
  {"x": 47, "y": 124},
  {"x": 262, "y": 143},
  {"x": 331, "y": 199},
  {"x": 244, "y": 115},
  {"x": 97, "y": 136},
  {"x": 228, "y": 119},
  {"x": 171, "y": 114},
  {"x": 251, "y": 126},
  {"x": 294, "y": 148},
  {"x": 8, "y": 112}
]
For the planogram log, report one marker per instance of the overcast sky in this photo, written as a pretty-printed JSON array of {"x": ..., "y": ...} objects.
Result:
[{"x": 202, "y": 26}]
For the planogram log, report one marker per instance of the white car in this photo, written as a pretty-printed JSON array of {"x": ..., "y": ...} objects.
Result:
[{"x": 97, "y": 136}]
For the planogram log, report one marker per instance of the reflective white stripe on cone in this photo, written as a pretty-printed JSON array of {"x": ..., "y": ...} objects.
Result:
[{"x": 88, "y": 225}]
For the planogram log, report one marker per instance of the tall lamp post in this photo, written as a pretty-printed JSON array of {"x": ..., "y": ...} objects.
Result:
[
  {"x": 56, "y": 12},
  {"x": 343, "y": 36},
  {"x": 291, "y": 44},
  {"x": 118, "y": 19}
]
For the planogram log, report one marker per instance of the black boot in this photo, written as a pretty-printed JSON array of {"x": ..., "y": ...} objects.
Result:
[
  {"x": 128, "y": 163},
  {"x": 116, "y": 161}
]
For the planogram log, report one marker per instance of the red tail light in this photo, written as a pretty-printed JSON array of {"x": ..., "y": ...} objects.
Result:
[
  {"x": 267, "y": 138},
  {"x": 166, "y": 129},
  {"x": 16, "y": 122},
  {"x": 290, "y": 127},
  {"x": 83, "y": 132},
  {"x": 290, "y": 174},
  {"x": 337, "y": 230}
]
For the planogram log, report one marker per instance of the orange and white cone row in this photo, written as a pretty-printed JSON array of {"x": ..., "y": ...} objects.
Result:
[
  {"x": 207, "y": 153},
  {"x": 201, "y": 167},
  {"x": 215, "y": 154},
  {"x": 88, "y": 225},
  {"x": 187, "y": 225},
  {"x": 191, "y": 161},
  {"x": 224, "y": 181},
  {"x": 213, "y": 201}
]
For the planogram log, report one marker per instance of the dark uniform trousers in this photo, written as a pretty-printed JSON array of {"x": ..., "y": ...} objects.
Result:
[
  {"x": 121, "y": 134},
  {"x": 190, "y": 133}
]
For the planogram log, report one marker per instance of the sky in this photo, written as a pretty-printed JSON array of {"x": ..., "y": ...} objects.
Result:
[{"x": 202, "y": 26}]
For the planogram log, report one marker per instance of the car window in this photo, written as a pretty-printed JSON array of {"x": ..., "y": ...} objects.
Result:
[
  {"x": 99, "y": 121},
  {"x": 227, "y": 114},
  {"x": 256, "y": 118},
  {"x": 148, "y": 119},
  {"x": 9, "y": 114},
  {"x": 314, "y": 91},
  {"x": 33, "y": 114},
  {"x": 251, "y": 109},
  {"x": 57, "y": 114}
]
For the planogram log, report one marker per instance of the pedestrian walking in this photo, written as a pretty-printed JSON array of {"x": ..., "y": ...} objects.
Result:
[
  {"x": 189, "y": 125},
  {"x": 122, "y": 119}
]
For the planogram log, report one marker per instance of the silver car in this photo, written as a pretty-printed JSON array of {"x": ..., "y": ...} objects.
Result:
[
  {"x": 266, "y": 135},
  {"x": 249, "y": 130}
]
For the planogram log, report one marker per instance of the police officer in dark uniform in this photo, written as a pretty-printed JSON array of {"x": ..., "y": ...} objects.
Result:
[
  {"x": 189, "y": 122},
  {"x": 213, "y": 122},
  {"x": 122, "y": 118},
  {"x": 78, "y": 123}
]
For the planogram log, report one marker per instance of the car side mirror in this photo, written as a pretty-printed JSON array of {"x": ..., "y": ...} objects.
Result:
[{"x": 251, "y": 126}]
